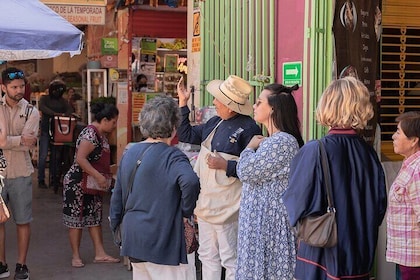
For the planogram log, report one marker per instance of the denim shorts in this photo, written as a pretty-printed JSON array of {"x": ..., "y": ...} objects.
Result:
[{"x": 17, "y": 194}]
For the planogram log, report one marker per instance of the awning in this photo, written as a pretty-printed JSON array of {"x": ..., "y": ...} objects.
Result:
[{"x": 31, "y": 30}]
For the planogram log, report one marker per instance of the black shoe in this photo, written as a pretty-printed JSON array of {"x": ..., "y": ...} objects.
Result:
[
  {"x": 42, "y": 185},
  {"x": 4, "y": 271},
  {"x": 21, "y": 272}
]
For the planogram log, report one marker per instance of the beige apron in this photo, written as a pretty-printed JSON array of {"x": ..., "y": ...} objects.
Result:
[{"x": 219, "y": 197}]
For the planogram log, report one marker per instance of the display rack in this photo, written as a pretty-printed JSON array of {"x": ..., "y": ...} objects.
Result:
[{"x": 96, "y": 86}]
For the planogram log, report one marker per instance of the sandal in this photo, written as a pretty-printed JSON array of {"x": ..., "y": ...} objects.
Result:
[
  {"x": 77, "y": 263},
  {"x": 106, "y": 259}
]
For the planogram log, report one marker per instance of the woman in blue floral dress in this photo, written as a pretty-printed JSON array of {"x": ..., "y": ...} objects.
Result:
[{"x": 266, "y": 243}]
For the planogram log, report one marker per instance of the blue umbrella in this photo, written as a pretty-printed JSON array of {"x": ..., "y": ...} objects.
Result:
[{"x": 31, "y": 30}]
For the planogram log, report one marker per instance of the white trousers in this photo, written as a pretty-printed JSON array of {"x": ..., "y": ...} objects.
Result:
[
  {"x": 217, "y": 249},
  {"x": 152, "y": 271}
]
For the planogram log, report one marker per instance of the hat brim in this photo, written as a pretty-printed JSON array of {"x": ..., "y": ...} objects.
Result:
[{"x": 214, "y": 88}]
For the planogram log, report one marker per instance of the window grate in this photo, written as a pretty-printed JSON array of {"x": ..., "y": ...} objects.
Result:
[{"x": 400, "y": 79}]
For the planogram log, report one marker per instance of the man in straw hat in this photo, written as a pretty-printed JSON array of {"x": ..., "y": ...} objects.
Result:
[{"x": 222, "y": 140}]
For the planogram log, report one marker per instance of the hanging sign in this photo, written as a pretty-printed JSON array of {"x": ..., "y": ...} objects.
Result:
[
  {"x": 357, "y": 32},
  {"x": 196, "y": 40},
  {"x": 109, "y": 46}
]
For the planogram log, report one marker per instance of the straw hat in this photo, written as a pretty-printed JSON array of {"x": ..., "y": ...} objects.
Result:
[{"x": 233, "y": 93}]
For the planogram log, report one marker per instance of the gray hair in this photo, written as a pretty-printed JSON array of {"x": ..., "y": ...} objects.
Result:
[{"x": 159, "y": 117}]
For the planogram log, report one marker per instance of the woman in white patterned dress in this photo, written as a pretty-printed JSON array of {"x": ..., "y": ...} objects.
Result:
[{"x": 266, "y": 243}]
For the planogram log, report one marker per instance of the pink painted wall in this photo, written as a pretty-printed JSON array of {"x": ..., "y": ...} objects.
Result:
[{"x": 290, "y": 40}]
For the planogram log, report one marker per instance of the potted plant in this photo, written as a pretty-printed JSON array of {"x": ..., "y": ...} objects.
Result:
[{"x": 103, "y": 99}]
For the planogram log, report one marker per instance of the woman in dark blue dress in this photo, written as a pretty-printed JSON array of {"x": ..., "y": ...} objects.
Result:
[{"x": 358, "y": 187}]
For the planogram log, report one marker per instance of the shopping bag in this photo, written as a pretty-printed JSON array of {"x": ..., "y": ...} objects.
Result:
[{"x": 62, "y": 129}]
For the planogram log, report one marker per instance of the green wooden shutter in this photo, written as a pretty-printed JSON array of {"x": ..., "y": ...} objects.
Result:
[
  {"x": 238, "y": 37},
  {"x": 319, "y": 18}
]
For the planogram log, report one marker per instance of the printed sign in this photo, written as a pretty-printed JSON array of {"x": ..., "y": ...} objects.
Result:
[
  {"x": 76, "y": 2},
  {"x": 292, "y": 73},
  {"x": 81, "y": 15},
  {"x": 357, "y": 32},
  {"x": 109, "y": 61},
  {"x": 109, "y": 45}
]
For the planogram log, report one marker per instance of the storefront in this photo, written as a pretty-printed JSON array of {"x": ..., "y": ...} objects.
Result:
[{"x": 158, "y": 54}]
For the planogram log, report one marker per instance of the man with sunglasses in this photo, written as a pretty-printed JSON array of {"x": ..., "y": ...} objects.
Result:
[{"x": 22, "y": 130}]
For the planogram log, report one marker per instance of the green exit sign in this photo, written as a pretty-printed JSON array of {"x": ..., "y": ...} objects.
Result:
[{"x": 292, "y": 73}]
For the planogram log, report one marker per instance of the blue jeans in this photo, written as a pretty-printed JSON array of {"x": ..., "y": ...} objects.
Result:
[{"x": 44, "y": 143}]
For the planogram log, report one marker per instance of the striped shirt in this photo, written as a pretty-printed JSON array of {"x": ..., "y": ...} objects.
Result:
[{"x": 403, "y": 217}]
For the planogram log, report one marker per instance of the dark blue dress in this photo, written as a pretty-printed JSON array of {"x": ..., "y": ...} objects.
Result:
[{"x": 359, "y": 194}]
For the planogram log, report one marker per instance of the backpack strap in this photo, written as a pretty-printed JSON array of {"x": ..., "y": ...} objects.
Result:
[{"x": 28, "y": 111}]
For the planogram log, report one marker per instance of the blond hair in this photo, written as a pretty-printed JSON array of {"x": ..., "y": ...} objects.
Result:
[{"x": 345, "y": 103}]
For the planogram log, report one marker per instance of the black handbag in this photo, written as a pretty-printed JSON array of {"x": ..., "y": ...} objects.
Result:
[{"x": 320, "y": 231}]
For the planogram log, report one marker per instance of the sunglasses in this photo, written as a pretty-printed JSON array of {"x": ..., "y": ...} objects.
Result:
[{"x": 16, "y": 75}]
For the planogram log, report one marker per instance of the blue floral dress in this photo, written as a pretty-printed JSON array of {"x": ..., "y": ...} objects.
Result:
[{"x": 266, "y": 243}]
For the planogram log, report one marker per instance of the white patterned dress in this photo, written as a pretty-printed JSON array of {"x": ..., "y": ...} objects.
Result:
[{"x": 266, "y": 244}]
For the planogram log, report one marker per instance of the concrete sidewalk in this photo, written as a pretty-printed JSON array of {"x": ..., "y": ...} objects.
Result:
[{"x": 49, "y": 255}]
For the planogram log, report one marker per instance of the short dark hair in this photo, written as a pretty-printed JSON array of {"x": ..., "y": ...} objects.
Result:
[
  {"x": 5, "y": 75},
  {"x": 102, "y": 110},
  {"x": 410, "y": 124},
  {"x": 159, "y": 117},
  {"x": 140, "y": 76}
]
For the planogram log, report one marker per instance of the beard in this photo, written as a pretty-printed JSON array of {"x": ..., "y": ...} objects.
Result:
[{"x": 17, "y": 97}]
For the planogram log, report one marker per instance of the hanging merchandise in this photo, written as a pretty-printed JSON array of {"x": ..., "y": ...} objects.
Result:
[{"x": 147, "y": 65}]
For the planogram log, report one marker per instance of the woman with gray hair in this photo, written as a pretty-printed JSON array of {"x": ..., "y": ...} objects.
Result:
[{"x": 164, "y": 190}]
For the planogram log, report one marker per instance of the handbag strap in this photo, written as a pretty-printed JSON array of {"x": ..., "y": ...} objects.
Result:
[
  {"x": 327, "y": 176},
  {"x": 61, "y": 126},
  {"x": 133, "y": 174}
]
